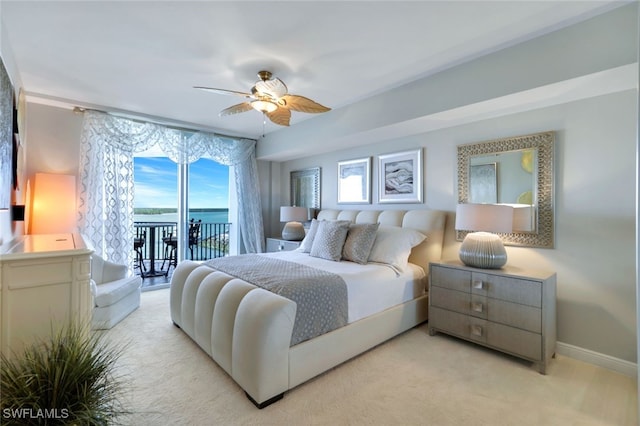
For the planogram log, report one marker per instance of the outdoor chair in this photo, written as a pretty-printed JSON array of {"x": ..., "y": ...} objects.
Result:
[
  {"x": 138, "y": 245},
  {"x": 194, "y": 234},
  {"x": 170, "y": 247}
]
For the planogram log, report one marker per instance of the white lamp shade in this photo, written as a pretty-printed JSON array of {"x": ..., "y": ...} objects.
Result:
[
  {"x": 484, "y": 217},
  {"x": 293, "y": 214},
  {"x": 53, "y": 204},
  {"x": 523, "y": 217}
]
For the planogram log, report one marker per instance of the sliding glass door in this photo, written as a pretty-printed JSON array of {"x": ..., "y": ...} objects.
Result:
[{"x": 182, "y": 208}]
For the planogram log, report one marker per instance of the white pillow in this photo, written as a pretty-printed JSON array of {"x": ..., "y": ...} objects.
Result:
[
  {"x": 393, "y": 246},
  {"x": 307, "y": 242}
]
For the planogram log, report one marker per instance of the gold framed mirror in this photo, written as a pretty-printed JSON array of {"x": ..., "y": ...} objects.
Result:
[{"x": 516, "y": 171}]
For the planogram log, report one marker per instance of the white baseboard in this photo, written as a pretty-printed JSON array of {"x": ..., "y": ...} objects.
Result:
[{"x": 601, "y": 360}]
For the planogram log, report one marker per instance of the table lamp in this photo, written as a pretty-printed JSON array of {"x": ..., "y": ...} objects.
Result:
[
  {"x": 482, "y": 248},
  {"x": 293, "y": 229},
  {"x": 52, "y": 208}
]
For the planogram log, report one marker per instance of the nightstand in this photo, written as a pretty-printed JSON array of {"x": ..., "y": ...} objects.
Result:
[
  {"x": 276, "y": 244},
  {"x": 508, "y": 309}
]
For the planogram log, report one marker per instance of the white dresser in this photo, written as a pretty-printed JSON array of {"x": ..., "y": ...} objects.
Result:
[
  {"x": 44, "y": 282},
  {"x": 507, "y": 309}
]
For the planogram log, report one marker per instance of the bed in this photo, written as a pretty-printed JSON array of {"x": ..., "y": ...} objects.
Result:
[{"x": 249, "y": 331}]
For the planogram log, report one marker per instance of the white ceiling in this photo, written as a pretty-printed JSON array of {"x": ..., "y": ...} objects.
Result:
[{"x": 143, "y": 58}]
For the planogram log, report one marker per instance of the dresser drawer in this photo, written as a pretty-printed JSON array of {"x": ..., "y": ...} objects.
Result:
[
  {"x": 452, "y": 300},
  {"x": 453, "y": 279},
  {"x": 515, "y": 341},
  {"x": 449, "y": 321},
  {"x": 275, "y": 245},
  {"x": 515, "y": 315},
  {"x": 522, "y": 291},
  {"x": 458, "y": 324},
  {"x": 508, "y": 339}
]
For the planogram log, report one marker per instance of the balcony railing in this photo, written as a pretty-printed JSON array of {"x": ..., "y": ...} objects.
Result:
[{"x": 212, "y": 240}]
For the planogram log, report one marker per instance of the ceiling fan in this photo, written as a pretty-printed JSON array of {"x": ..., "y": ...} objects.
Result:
[{"x": 270, "y": 96}]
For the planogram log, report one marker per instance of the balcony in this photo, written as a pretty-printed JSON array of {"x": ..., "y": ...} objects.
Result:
[{"x": 153, "y": 252}]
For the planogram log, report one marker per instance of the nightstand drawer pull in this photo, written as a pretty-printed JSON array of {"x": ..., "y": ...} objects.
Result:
[
  {"x": 478, "y": 285},
  {"x": 477, "y": 306},
  {"x": 476, "y": 330}
]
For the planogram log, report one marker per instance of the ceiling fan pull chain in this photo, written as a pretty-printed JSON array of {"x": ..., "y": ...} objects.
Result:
[{"x": 264, "y": 122}]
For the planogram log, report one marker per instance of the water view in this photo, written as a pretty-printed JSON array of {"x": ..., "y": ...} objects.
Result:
[
  {"x": 215, "y": 215},
  {"x": 156, "y": 198}
]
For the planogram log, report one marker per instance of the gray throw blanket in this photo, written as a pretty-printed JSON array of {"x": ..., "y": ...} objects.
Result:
[{"x": 320, "y": 296}]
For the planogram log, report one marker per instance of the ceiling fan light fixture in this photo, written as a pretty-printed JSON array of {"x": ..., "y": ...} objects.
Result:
[{"x": 264, "y": 106}]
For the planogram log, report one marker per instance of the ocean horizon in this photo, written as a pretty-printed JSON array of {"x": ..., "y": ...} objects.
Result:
[{"x": 213, "y": 215}]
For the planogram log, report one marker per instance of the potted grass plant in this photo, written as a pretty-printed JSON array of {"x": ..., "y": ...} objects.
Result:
[{"x": 69, "y": 379}]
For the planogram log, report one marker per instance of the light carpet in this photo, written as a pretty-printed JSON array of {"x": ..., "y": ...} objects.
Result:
[{"x": 413, "y": 379}]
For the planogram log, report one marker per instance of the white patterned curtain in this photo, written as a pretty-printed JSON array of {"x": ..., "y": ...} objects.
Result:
[{"x": 105, "y": 197}]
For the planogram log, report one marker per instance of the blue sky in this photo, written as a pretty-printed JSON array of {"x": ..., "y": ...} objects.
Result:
[{"x": 156, "y": 183}]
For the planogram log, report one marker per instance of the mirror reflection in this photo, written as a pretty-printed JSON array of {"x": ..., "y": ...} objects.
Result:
[
  {"x": 305, "y": 188},
  {"x": 516, "y": 171},
  {"x": 506, "y": 178}
]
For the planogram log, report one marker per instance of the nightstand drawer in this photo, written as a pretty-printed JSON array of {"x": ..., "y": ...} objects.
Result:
[
  {"x": 511, "y": 289},
  {"x": 453, "y": 279},
  {"x": 515, "y": 315},
  {"x": 449, "y": 321},
  {"x": 515, "y": 341},
  {"x": 274, "y": 244},
  {"x": 508, "y": 339},
  {"x": 452, "y": 300},
  {"x": 458, "y": 324}
]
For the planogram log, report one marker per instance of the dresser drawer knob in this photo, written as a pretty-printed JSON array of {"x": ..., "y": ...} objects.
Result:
[
  {"x": 477, "y": 306},
  {"x": 476, "y": 330},
  {"x": 478, "y": 285}
]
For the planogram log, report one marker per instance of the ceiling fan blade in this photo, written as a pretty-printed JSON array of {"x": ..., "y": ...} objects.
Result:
[
  {"x": 225, "y": 92},
  {"x": 280, "y": 116},
  {"x": 236, "y": 109},
  {"x": 274, "y": 87},
  {"x": 302, "y": 104}
]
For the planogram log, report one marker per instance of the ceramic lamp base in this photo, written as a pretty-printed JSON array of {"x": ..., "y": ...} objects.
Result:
[
  {"x": 293, "y": 231},
  {"x": 483, "y": 250}
]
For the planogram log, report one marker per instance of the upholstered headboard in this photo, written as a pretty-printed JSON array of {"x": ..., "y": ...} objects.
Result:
[{"x": 430, "y": 222}]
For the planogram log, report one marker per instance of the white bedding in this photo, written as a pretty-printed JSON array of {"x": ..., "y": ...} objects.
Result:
[{"x": 371, "y": 288}]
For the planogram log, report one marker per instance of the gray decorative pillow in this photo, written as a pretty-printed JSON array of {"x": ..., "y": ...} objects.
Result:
[
  {"x": 359, "y": 241},
  {"x": 329, "y": 239},
  {"x": 305, "y": 245}
]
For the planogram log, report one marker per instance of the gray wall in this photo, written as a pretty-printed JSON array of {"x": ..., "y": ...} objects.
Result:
[{"x": 594, "y": 255}]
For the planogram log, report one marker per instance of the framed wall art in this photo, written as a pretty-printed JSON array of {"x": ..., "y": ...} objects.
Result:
[
  {"x": 400, "y": 177},
  {"x": 6, "y": 137},
  {"x": 354, "y": 181}
]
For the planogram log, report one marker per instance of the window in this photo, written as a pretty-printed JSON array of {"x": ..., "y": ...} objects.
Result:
[{"x": 192, "y": 197}]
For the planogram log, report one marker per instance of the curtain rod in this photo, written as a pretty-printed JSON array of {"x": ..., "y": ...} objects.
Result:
[{"x": 81, "y": 110}]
